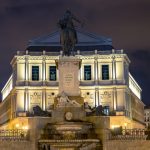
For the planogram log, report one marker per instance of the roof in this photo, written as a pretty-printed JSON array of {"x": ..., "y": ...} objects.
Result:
[{"x": 86, "y": 41}]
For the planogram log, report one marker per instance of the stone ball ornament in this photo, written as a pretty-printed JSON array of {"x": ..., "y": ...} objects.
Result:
[{"x": 68, "y": 116}]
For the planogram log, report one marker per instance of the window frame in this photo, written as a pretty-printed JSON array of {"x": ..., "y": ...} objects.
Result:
[
  {"x": 35, "y": 77},
  {"x": 105, "y": 72},
  {"x": 86, "y": 78},
  {"x": 50, "y": 73}
]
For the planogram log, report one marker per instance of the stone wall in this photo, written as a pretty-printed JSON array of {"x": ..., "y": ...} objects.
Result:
[
  {"x": 101, "y": 125},
  {"x": 113, "y": 145},
  {"x": 17, "y": 145},
  {"x": 35, "y": 126},
  {"x": 127, "y": 145},
  {"x": 5, "y": 110}
]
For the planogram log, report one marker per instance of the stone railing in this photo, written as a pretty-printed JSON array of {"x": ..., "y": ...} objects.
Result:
[
  {"x": 14, "y": 134},
  {"x": 78, "y": 52},
  {"x": 128, "y": 134}
]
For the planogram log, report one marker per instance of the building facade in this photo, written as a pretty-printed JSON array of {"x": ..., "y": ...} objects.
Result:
[
  {"x": 147, "y": 116},
  {"x": 104, "y": 79}
]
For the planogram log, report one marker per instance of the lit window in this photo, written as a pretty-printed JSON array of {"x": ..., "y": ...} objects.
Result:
[
  {"x": 105, "y": 72},
  {"x": 35, "y": 73},
  {"x": 52, "y": 73},
  {"x": 106, "y": 110},
  {"x": 87, "y": 72}
]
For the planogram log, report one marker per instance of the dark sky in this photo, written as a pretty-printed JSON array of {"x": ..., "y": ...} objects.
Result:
[{"x": 127, "y": 22}]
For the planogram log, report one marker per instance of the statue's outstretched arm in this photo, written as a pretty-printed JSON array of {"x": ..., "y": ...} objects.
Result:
[{"x": 77, "y": 20}]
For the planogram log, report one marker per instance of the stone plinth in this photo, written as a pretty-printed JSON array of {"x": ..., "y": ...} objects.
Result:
[
  {"x": 68, "y": 75},
  {"x": 59, "y": 114}
]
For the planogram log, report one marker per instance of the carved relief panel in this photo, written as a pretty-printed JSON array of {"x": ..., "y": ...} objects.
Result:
[
  {"x": 106, "y": 98},
  {"x": 35, "y": 99},
  {"x": 89, "y": 98},
  {"x": 50, "y": 96}
]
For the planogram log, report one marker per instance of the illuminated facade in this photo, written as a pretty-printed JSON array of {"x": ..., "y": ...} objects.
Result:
[
  {"x": 147, "y": 116},
  {"x": 104, "y": 80}
]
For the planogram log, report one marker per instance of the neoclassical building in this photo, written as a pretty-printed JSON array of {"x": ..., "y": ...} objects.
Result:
[
  {"x": 147, "y": 116},
  {"x": 104, "y": 79}
]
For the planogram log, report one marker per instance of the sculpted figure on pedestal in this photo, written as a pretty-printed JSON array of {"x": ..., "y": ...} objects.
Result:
[
  {"x": 68, "y": 36},
  {"x": 64, "y": 101}
]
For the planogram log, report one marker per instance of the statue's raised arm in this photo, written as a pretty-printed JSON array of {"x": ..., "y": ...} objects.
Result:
[{"x": 77, "y": 20}]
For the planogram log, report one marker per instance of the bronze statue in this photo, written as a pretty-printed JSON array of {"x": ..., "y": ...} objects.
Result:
[{"x": 68, "y": 36}]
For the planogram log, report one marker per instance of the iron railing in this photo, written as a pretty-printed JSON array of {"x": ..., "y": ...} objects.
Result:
[
  {"x": 14, "y": 134},
  {"x": 128, "y": 134}
]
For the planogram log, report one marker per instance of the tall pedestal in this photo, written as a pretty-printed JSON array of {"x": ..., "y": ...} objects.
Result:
[{"x": 68, "y": 75}]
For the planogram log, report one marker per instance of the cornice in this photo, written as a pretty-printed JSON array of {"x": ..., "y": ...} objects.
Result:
[{"x": 83, "y": 57}]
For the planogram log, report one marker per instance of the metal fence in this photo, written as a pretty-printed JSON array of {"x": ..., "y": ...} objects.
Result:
[
  {"x": 14, "y": 134},
  {"x": 127, "y": 134}
]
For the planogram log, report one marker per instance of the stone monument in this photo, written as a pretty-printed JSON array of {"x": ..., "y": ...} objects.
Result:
[
  {"x": 68, "y": 64},
  {"x": 68, "y": 129},
  {"x": 68, "y": 67}
]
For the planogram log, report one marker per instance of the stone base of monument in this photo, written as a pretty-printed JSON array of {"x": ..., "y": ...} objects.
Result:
[
  {"x": 69, "y": 130},
  {"x": 68, "y": 114},
  {"x": 69, "y": 75},
  {"x": 72, "y": 106},
  {"x": 69, "y": 135}
]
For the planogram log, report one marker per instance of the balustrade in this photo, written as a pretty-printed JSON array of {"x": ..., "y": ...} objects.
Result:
[{"x": 106, "y": 52}]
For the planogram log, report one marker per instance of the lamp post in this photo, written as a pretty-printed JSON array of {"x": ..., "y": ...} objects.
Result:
[{"x": 125, "y": 126}]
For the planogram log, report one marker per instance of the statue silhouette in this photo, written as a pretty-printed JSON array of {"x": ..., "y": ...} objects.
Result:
[{"x": 68, "y": 35}]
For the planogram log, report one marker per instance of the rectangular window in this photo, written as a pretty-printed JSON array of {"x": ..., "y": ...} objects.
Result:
[
  {"x": 35, "y": 73},
  {"x": 87, "y": 72},
  {"x": 105, "y": 72},
  {"x": 106, "y": 110},
  {"x": 52, "y": 73}
]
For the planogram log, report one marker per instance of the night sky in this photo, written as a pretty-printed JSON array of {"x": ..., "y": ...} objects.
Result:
[{"x": 127, "y": 22}]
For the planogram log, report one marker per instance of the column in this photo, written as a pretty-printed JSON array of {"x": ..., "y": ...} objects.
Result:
[
  {"x": 26, "y": 70},
  {"x": 15, "y": 105},
  {"x": 44, "y": 99},
  {"x": 124, "y": 74},
  {"x": 12, "y": 106},
  {"x": 96, "y": 70},
  {"x": 43, "y": 71},
  {"x": 114, "y": 70},
  {"x": 115, "y": 98},
  {"x": 81, "y": 73},
  {"x": 26, "y": 100},
  {"x": 97, "y": 103},
  {"x": 99, "y": 96}
]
